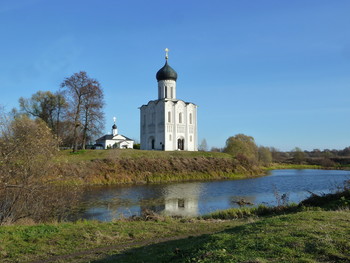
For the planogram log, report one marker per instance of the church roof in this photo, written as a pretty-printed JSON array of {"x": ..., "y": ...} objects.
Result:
[
  {"x": 111, "y": 137},
  {"x": 166, "y": 72},
  {"x": 155, "y": 102}
]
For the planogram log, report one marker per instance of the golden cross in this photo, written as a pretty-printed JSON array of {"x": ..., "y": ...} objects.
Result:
[{"x": 166, "y": 53}]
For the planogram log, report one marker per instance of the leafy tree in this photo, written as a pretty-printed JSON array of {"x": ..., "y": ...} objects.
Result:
[
  {"x": 278, "y": 156},
  {"x": 47, "y": 106},
  {"x": 265, "y": 156},
  {"x": 203, "y": 146},
  {"x": 85, "y": 100},
  {"x": 298, "y": 155},
  {"x": 242, "y": 146}
]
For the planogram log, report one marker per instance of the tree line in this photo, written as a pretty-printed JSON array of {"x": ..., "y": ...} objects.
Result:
[
  {"x": 244, "y": 148},
  {"x": 74, "y": 113}
]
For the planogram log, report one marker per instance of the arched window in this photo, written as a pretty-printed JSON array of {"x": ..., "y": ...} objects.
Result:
[
  {"x": 169, "y": 137},
  {"x": 166, "y": 92},
  {"x": 191, "y": 138},
  {"x": 180, "y": 117},
  {"x": 172, "y": 92},
  {"x": 190, "y": 118},
  {"x": 169, "y": 116}
]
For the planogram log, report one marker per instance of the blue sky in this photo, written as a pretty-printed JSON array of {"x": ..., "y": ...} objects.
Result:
[{"x": 275, "y": 70}]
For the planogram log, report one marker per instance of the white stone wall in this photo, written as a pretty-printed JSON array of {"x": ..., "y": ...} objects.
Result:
[
  {"x": 155, "y": 125},
  {"x": 167, "y": 89},
  {"x": 110, "y": 143},
  {"x": 152, "y": 125}
]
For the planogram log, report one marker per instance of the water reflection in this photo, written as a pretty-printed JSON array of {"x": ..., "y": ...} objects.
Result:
[
  {"x": 182, "y": 199},
  {"x": 196, "y": 198}
]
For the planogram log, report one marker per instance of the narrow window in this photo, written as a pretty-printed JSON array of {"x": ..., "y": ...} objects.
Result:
[
  {"x": 190, "y": 118},
  {"x": 169, "y": 137},
  {"x": 180, "y": 117},
  {"x": 191, "y": 138},
  {"x": 169, "y": 116},
  {"x": 166, "y": 91},
  {"x": 181, "y": 203},
  {"x": 172, "y": 92}
]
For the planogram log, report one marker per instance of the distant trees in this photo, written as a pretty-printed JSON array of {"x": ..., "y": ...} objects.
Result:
[
  {"x": 265, "y": 155},
  {"x": 203, "y": 146},
  {"x": 74, "y": 114},
  {"x": 47, "y": 106},
  {"x": 298, "y": 155},
  {"x": 246, "y": 151}
]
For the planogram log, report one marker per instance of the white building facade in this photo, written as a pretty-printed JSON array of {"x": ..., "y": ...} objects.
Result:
[
  {"x": 115, "y": 140},
  {"x": 168, "y": 123}
]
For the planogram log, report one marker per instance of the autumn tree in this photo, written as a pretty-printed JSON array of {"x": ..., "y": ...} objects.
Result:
[
  {"x": 92, "y": 114},
  {"x": 265, "y": 155},
  {"x": 47, "y": 106},
  {"x": 242, "y": 147},
  {"x": 26, "y": 146},
  {"x": 85, "y": 99}
]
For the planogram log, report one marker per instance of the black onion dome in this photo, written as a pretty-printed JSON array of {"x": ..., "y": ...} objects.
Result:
[
  {"x": 114, "y": 126},
  {"x": 166, "y": 72}
]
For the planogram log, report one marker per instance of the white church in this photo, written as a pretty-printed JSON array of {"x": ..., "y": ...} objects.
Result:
[
  {"x": 168, "y": 123},
  {"x": 115, "y": 140}
]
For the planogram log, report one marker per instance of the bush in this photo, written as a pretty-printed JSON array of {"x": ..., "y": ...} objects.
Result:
[{"x": 26, "y": 148}]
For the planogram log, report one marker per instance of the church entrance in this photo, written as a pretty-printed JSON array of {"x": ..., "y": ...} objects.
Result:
[
  {"x": 151, "y": 143},
  {"x": 180, "y": 144}
]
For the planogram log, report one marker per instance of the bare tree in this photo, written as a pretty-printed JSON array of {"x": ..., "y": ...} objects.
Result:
[
  {"x": 203, "y": 146},
  {"x": 92, "y": 114},
  {"x": 84, "y": 96}
]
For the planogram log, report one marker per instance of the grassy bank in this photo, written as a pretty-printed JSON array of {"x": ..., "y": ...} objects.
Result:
[
  {"x": 314, "y": 236},
  {"x": 138, "y": 167},
  {"x": 317, "y": 230},
  {"x": 97, "y": 167},
  {"x": 38, "y": 242}
]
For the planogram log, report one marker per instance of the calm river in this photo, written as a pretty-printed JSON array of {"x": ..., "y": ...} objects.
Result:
[{"x": 197, "y": 198}]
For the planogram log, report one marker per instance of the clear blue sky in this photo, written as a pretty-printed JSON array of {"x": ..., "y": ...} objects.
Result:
[{"x": 275, "y": 70}]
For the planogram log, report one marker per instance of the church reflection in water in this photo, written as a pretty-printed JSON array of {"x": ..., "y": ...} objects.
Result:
[{"x": 177, "y": 200}]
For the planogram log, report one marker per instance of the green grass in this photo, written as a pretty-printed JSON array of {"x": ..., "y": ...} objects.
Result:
[
  {"x": 313, "y": 236},
  {"x": 28, "y": 243},
  {"x": 278, "y": 166},
  {"x": 88, "y": 155}
]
